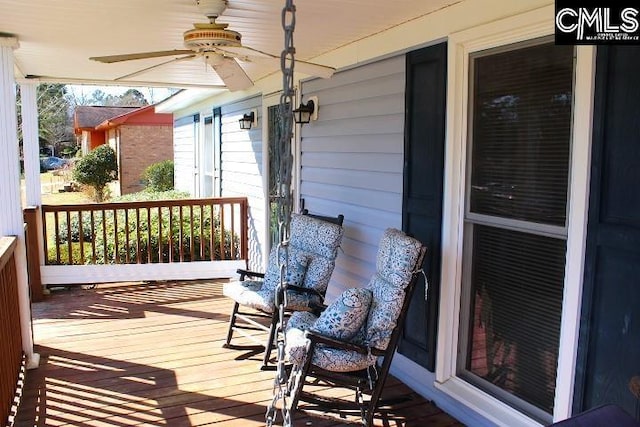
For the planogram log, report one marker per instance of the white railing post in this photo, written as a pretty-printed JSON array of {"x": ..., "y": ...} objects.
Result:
[{"x": 11, "y": 217}]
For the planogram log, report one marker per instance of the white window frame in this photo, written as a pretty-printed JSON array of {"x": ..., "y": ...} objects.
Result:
[{"x": 530, "y": 25}]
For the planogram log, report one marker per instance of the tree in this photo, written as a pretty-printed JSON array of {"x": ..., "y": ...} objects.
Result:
[
  {"x": 98, "y": 168},
  {"x": 54, "y": 114},
  {"x": 131, "y": 98}
]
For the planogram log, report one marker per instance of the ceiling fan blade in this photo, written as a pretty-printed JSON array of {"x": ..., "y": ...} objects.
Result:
[
  {"x": 144, "y": 70},
  {"x": 248, "y": 54},
  {"x": 142, "y": 55},
  {"x": 245, "y": 53},
  {"x": 230, "y": 72}
]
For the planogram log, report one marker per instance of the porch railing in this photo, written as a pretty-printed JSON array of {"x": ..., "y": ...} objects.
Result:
[
  {"x": 11, "y": 358},
  {"x": 147, "y": 232}
]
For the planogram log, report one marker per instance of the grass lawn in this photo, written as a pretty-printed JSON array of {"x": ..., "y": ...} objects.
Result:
[{"x": 51, "y": 182}]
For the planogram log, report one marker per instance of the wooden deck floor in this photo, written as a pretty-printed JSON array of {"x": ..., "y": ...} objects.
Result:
[{"x": 151, "y": 355}]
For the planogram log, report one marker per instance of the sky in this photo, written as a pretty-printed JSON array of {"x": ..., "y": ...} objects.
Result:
[{"x": 152, "y": 94}]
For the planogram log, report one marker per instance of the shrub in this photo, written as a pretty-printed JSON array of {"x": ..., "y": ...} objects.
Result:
[
  {"x": 64, "y": 254},
  {"x": 194, "y": 235},
  {"x": 144, "y": 231},
  {"x": 98, "y": 168},
  {"x": 63, "y": 234},
  {"x": 159, "y": 176}
]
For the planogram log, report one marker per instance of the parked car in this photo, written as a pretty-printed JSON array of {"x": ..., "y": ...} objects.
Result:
[{"x": 52, "y": 163}]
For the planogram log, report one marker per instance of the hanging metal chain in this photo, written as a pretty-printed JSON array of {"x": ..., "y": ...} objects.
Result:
[{"x": 284, "y": 160}]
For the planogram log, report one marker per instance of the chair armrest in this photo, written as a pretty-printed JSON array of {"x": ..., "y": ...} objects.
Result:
[
  {"x": 317, "y": 338},
  {"x": 302, "y": 290},
  {"x": 244, "y": 273},
  {"x": 315, "y": 308}
]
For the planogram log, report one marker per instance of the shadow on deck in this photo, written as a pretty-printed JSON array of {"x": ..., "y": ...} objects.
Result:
[{"x": 151, "y": 355}]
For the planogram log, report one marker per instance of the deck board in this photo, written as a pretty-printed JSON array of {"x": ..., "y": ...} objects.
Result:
[{"x": 150, "y": 355}]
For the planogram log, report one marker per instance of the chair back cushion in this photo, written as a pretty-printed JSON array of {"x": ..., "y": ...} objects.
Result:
[
  {"x": 396, "y": 262},
  {"x": 312, "y": 252}
]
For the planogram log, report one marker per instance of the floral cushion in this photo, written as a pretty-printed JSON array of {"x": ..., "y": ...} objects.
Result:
[
  {"x": 325, "y": 357},
  {"x": 396, "y": 262},
  {"x": 385, "y": 309},
  {"x": 310, "y": 261},
  {"x": 345, "y": 316},
  {"x": 397, "y": 256},
  {"x": 250, "y": 293},
  {"x": 297, "y": 324},
  {"x": 296, "y": 268},
  {"x": 338, "y": 360}
]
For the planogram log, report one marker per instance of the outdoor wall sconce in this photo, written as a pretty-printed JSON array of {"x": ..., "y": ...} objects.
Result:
[
  {"x": 249, "y": 120},
  {"x": 306, "y": 112}
]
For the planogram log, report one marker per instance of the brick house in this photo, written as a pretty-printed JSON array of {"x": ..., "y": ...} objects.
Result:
[{"x": 139, "y": 136}]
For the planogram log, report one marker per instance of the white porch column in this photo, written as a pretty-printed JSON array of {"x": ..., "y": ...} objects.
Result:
[
  {"x": 11, "y": 219},
  {"x": 30, "y": 142}
]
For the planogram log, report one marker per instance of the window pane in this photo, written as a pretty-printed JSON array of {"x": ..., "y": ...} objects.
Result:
[
  {"x": 516, "y": 292},
  {"x": 521, "y": 133}
]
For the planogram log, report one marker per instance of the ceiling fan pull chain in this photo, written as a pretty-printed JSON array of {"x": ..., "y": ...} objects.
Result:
[{"x": 283, "y": 157}]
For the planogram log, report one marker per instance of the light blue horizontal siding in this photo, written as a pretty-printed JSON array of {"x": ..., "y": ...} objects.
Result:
[
  {"x": 352, "y": 161},
  {"x": 183, "y": 154},
  {"x": 242, "y": 171}
]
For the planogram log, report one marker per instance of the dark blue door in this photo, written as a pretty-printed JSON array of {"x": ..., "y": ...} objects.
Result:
[
  {"x": 609, "y": 347},
  {"x": 422, "y": 201}
]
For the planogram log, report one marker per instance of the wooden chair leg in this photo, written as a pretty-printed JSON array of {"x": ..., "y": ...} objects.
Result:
[
  {"x": 232, "y": 324},
  {"x": 306, "y": 366},
  {"x": 269, "y": 345}
]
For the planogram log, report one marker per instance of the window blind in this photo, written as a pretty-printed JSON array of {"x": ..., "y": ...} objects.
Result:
[
  {"x": 517, "y": 283},
  {"x": 521, "y": 134}
]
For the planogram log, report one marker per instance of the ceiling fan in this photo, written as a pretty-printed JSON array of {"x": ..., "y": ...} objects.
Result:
[{"x": 220, "y": 48}]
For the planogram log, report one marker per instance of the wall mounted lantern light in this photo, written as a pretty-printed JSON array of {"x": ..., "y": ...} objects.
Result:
[
  {"x": 249, "y": 120},
  {"x": 306, "y": 112}
]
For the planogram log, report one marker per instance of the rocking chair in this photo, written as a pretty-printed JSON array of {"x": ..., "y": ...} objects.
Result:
[
  {"x": 352, "y": 343},
  {"x": 313, "y": 247}
]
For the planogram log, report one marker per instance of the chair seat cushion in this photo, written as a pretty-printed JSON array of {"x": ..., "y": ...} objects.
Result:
[
  {"x": 331, "y": 359},
  {"x": 251, "y": 293}
]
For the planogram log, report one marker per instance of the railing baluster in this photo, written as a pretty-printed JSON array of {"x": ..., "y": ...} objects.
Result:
[
  {"x": 81, "y": 236},
  {"x": 191, "y": 248},
  {"x": 223, "y": 232},
  {"x": 104, "y": 235},
  {"x": 160, "y": 257},
  {"x": 202, "y": 236},
  {"x": 212, "y": 233},
  {"x": 93, "y": 237},
  {"x": 126, "y": 235},
  {"x": 57, "y": 236},
  {"x": 233, "y": 229},
  {"x": 149, "y": 235},
  {"x": 170, "y": 233},
  {"x": 181, "y": 243},
  {"x": 138, "y": 235},
  {"x": 115, "y": 237},
  {"x": 69, "y": 243}
]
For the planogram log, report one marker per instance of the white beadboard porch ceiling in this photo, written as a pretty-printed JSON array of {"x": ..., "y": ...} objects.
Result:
[{"x": 57, "y": 37}]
